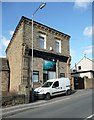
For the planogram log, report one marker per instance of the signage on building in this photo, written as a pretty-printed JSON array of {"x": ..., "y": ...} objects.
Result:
[{"x": 49, "y": 65}]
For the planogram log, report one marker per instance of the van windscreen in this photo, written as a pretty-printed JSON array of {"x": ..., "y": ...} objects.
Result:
[{"x": 47, "y": 84}]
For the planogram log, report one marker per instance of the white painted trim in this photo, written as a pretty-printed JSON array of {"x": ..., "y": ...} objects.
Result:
[
  {"x": 59, "y": 41},
  {"x": 44, "y": 36}
]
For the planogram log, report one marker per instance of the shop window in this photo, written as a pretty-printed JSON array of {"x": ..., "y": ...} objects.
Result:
[{"x": 35, "y": 76}]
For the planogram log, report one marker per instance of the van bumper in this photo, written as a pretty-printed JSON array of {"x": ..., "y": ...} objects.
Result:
[{"x": 39, "y": 96}]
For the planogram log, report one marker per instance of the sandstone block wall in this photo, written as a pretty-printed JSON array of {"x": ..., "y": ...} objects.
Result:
[
  {"x": 14, "y": 56},
  {"x": 4, "y": 75}
]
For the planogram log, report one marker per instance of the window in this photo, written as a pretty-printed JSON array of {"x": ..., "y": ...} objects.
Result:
[
  {"x": 62, "y": 75},
  {"x": 42, "y": 41},
  {"x": 56, "y": 84},
  {"x": 35, "y": 76},
  {"x": 47, "y": 84},
  {"x": 58, "y": 46},
  {"x": 79, "y": 67}
]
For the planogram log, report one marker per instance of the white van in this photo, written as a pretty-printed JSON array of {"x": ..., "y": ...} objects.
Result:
[{"x": 53, "y": 87}]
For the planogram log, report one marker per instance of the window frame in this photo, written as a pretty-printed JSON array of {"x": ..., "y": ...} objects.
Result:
[
  {"x": 58, "y": 41},
  {"x": 79, "y": 67},
  {"x": 43, "y": 36},
  {"x": 62, "y": 74},
  {"x": 54, "y": 86},
  {"x": 37, "y": 73}
]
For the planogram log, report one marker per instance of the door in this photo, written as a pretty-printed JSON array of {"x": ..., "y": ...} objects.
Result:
[
  {"x": 78, "y": 83},
  {"x": 51, "y": 75},
  {"x": 45, "y": 77},
  {"x": 55, "y": 88}
]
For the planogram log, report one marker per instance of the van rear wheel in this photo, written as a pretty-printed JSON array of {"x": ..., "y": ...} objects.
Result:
[{"x": 47, "y": 96}]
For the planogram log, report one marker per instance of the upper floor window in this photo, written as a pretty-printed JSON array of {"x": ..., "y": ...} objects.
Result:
[
  {"x": 42, "y": 41},
  {"x": 58, "y": 46},
  {"x": 79, "y": 67}
]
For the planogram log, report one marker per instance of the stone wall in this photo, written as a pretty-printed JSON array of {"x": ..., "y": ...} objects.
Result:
[
  {"x": 11, "y": 100},
  {"x": 14, "y": 56},
  {"x": 63, "y": 68},
  {"x": 4, "y": 75},
  {"x": 51, "y": 37},
  {"x": 88, "y": 83},
  {"x": 19, "y": 58}
]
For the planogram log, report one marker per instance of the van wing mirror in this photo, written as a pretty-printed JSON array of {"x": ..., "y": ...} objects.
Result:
[{"x": 53, "y": 86}]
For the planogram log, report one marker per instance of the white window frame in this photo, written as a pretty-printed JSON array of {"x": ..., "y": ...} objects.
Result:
[
  {"x": 59, "y": 41},
  {"x": 44, "y": 36}
]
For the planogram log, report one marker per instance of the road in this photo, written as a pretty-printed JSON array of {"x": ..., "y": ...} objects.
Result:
[{"x": 77, "y": 105}]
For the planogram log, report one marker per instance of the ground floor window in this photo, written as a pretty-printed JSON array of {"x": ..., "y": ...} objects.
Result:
[
  {"x": 62, "y": 75},
  {"x": 35, "y": 76},
  {"x": 49, "y": 70}
]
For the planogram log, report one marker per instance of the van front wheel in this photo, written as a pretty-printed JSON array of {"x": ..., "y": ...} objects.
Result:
[
  {"x": 68, "y": 92},
  {"x": 47, "y": 96}
]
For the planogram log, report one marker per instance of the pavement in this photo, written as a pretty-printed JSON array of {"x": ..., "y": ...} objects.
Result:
[{"x": 19, "y": 108}]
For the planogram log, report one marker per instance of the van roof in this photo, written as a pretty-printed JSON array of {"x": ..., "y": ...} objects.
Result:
[
  {"x": 57, "y": 79},
  {"x": 51, "y": 80}
]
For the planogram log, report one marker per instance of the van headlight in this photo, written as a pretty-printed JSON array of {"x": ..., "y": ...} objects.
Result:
[{"x": 41, "y": 90}]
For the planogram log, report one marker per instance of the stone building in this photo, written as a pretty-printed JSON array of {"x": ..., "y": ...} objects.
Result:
[
  {"x": 4, "y": 74},
  {"x": 51, "y": 55}
]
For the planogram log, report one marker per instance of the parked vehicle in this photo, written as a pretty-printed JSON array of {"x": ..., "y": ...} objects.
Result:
[{"x": 53, "y": 87}]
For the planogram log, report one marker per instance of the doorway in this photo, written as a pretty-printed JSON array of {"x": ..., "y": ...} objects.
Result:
[
  {"x": 78, "y": 83},
  {"x": 48, "y": 75}
]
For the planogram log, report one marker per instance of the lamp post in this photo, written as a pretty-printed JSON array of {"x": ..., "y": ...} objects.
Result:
[{"x": 40, "y": 7}]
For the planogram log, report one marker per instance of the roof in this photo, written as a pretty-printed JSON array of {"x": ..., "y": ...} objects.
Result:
[
  {"x": 25, "y": 18},
  {"x": 92, "y": 71},
  {"x": 30, "y": 20},
  {"x": 57, "y": 79}
]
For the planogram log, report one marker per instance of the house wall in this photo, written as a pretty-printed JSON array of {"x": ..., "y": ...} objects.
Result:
[
  {"x": 50, "y": 39},
  {"x": 89, "y": 75},
  {"x": 86, "y": 65},
  {"x": 14, "y": 56},
  {"x": 51, "y": 36},
  {"x": 89, "y": 83},
  {"x": 20, "y": 60},
  {"x": 4, "y": 75}
]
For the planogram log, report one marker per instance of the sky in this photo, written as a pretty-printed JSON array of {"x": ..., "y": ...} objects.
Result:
[{"x": 72, "y": 18}]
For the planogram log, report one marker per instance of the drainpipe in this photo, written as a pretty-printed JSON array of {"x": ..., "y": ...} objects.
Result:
[
  {"x": 68, "y": 66},
  {"x": 57, "y": 69}
]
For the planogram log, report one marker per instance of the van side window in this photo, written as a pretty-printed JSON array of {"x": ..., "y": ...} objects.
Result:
[{"x": 56, "y": 84}]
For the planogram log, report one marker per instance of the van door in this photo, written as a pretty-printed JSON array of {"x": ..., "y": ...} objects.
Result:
[{"x": 55, "y": 88}]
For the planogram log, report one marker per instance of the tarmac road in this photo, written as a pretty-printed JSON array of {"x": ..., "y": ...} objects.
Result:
[{"x": 77, "y": 105}]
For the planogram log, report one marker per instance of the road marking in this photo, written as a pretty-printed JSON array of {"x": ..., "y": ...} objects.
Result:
[{"x": 89, "y": 117}]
